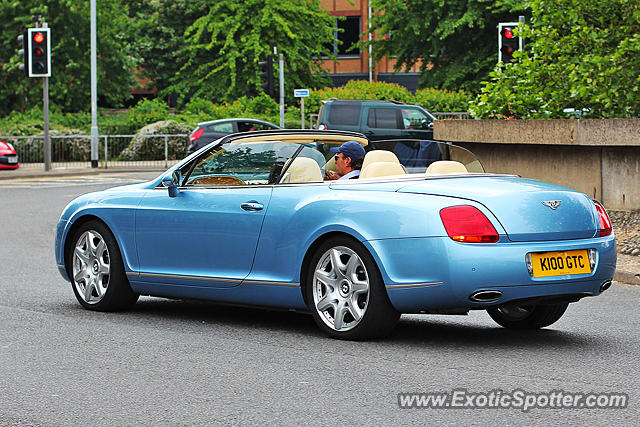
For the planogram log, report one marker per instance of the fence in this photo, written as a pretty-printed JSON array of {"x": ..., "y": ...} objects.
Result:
[
  {"x": 74, "y": 151},
  {"x": 453, "y": 115}
]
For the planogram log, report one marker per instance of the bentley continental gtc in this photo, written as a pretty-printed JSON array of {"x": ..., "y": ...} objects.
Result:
[{"x": 249, "y": 220}]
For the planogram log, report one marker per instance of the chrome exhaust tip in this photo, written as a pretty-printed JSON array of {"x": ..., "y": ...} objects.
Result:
[
  {"x": 485, "y": 296},
  {"x": 605, "y": 285}
]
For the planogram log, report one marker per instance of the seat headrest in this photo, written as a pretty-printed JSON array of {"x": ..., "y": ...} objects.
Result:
[
  {"x": 378, "y": 169},
  {"x": 379, "y": 156},
  {"x": 446, "y": 166},
  {"x": 303, "y": 169}
]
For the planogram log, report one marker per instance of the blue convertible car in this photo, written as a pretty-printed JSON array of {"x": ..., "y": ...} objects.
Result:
[{"x": 249, "y": 219}]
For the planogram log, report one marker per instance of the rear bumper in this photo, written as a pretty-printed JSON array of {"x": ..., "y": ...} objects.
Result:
[{"x": 434, "y": 274}]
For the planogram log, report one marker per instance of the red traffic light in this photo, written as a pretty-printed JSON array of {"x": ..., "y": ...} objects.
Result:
[
  {"x": 38, "y": 37},
  {"x": 508, "y": 33}
]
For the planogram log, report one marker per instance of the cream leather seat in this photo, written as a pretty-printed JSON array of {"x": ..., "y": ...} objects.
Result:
[
  {"x": 379, "y": 156},
  {"x": 446, "y": 166},
  {"x": 378, "y": 169},
  {"x": 302, "y": 169}
]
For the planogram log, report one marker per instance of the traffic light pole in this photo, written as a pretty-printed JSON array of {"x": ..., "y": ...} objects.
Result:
[
  {"x": 281, "y": 63},
  {"x": 94, "y": 89},
  {"x": 47, "y": 139},
  {"x": 45, "y": 107}
]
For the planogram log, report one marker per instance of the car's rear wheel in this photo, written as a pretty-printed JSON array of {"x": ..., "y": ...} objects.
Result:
[
  {"x": 345, "y": 292},
  {"x": 527, "y": 316},
  {"x": 97, "y": 273}
]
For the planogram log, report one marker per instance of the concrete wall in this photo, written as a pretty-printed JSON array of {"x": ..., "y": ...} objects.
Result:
[{"x": 598, "y": 157}]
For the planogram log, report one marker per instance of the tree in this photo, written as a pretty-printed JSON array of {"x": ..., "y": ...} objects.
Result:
[
  {"x": 455, "y": 41},
  {"x": 69, "y": 85},
  {"x": 225, "y": 45},
  {"x": 159, "y": 36},
  {"x": 581, "y": 55}
]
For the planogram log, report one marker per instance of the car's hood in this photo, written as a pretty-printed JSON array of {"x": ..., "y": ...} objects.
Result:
[{"x": 524, "y": 207}]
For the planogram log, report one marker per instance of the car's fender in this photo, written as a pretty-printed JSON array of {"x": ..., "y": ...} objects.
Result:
[
  {"x": 116, "y": 209},
  {"x": 298, "y": 216}
]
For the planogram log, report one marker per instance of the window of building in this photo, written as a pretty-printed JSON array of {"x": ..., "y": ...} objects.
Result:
[{"x": 347, "y": 36}]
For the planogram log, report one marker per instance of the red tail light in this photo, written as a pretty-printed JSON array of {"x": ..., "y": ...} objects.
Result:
[
  {"x": 603, "y": 219},
  {"x": 467, "y": 224},
  {"x": 196, "y": 134}
]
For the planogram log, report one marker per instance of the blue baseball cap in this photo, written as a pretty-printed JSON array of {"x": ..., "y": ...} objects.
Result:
[{"x": 350, "y": 149}]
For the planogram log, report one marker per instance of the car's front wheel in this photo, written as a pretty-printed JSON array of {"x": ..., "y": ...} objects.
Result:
[
  {"x": 345, "y": 292},
  {"x": 527, "y": 316},
  {"x": 97, "y": 273}
]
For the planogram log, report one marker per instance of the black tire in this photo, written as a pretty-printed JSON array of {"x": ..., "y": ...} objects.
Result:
[
  {"x": 377, "y": 317},
  {"x": 527, "y": 317},
  {"x": 101, "y": 283}
]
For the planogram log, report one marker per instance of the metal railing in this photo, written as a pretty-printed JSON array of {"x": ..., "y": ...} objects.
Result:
[
  {"x": 453, "y": 115},
  {"x": 114, "y": 151}
]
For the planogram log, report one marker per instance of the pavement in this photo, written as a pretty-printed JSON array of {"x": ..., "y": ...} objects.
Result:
[
  {"x": 23, "y": 173},
  {"x": 627, "y": 271}
]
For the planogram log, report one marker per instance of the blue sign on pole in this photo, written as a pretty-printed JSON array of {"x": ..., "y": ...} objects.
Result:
[{"x": 301, "y": 93}]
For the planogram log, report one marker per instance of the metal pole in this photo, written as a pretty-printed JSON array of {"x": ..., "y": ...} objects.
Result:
[
  {"x": 302, "y": 111},
  {"x": 106, "y": 152},
  {"x": 370, "y": 49},
  {"x": 521, "y": 41},
  {"x": 46, "y": 149},
  {"x": 281, "y": 63},
  {"x": 94, "y": 89},
  {"x": 166, "y": 151},
  {"x": 47, "y": 139}
]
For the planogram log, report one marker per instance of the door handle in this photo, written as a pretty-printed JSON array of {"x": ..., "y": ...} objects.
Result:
[{"x": 252, "y": 206}]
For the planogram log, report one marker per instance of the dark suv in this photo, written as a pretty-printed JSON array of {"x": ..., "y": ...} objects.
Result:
[
  {"x": 207, "y": 132},
  {"x": 378, "y": 120}
]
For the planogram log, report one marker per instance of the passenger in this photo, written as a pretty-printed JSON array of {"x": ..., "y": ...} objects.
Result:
[{"x": 349, "y": 159}]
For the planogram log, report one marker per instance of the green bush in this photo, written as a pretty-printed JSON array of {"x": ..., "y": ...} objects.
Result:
[
  {"x": 359, "y": 89},
  {"x": 440, "y": 100},
  {"x": 263, "y": 105},
  {"x": 146, "y": 112},
  {"x": 31, "y": 122},
  {"x": 197, "y": 106},
  {"x": 151, "y": 148}
]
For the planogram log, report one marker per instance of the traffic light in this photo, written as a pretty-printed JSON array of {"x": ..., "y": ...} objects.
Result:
[
  {"x": 39, "y": 52},
  {"x": 266, "y": 75},
  {"x": 22, "y": 40},
  {"x": 508, "y": 43}
]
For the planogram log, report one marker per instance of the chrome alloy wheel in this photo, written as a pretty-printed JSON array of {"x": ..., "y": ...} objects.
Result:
[
  {"x": 91, "y": 267},
  {"x": 340, "y": 288}
]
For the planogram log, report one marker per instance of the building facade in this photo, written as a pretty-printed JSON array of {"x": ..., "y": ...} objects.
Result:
[{"x": 354, "y": 63}]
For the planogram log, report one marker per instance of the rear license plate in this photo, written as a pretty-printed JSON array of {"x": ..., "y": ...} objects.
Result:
[
  {"x": 12, "y": 159},
  {"x": 560, "y": 263}
]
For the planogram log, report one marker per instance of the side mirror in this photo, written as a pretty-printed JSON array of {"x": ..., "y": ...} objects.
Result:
[{"x": 172, "y": 182}]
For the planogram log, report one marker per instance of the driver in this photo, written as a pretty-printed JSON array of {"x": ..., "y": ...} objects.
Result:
[{"x": 348, "y": 161}]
